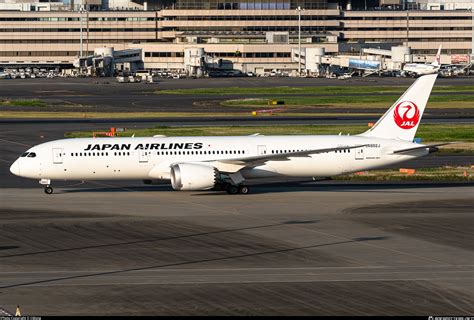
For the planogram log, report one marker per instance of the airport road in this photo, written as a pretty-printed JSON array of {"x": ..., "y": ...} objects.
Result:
[{"x": 286, "y": 249}]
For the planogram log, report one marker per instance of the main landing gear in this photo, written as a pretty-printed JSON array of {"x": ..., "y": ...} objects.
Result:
[
  {"x": 241, "y": 189},
  {"x": 233, "y": 185}
]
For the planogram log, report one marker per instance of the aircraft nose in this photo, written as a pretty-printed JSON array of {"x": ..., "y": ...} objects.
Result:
[{"x": 15, "y": 168}]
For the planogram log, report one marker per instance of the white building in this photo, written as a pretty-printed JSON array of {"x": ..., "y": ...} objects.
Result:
[{"x": 446, "y": 4}]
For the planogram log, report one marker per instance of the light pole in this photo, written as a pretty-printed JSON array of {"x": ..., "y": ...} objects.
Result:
[
  {"x": 472, "y": 49},
  {"x": 299, "y": 9},
  {"x": 81, "y": 11}
]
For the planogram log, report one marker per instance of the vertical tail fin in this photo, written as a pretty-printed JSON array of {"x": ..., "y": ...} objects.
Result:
[
  {"x": 437, "y": 61},
  {"x": 402, "y": 119}
]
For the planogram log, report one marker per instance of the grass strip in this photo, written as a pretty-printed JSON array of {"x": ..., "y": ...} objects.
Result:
[
  {"x": 307, "y": 90},
  {"x": 465, "y": 174},
  {"x": 448, "y": 101},
  {"x": 23, "y": 103}
]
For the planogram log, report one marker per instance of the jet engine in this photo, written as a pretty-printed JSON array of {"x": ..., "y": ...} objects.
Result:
[{"x": 193, "y": 176}]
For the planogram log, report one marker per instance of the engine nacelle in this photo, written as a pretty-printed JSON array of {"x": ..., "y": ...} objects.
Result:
[{"x": 193, "y": 176}]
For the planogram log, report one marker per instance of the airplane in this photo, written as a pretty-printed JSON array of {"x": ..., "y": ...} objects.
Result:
[
  {"x": 418, "y": 69},
  {"x": 225, "y": 163}
]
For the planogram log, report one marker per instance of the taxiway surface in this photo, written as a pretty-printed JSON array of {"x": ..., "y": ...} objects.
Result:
[{"x": 297, "y": 249}]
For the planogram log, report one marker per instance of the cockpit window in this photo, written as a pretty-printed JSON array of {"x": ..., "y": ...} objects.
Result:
[
  {"x": 31, "y": 155},
  {"x": 24, "y": 154}
]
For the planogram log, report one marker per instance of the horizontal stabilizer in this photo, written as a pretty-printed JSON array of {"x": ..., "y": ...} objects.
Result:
[{"x": 431, "y": 147}]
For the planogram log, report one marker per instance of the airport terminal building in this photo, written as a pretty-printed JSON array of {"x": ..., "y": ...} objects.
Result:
[{"x": 246, "y": 34}]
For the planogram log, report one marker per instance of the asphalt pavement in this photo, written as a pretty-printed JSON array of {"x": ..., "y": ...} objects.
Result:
[{"x": 286, "y": 249}]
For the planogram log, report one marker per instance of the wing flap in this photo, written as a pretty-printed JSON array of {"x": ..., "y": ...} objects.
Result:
[{"x": 262, "y": 159}]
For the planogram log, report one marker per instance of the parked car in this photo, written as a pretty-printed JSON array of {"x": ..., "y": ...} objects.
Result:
[{"x": 122, "y": 79}]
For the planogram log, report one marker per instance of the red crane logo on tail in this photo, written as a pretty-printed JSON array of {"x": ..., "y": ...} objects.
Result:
[{"x": 406, "y": 115}]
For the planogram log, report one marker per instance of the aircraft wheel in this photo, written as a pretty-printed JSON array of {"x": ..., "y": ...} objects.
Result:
[
  {"x": 244, "y": 190},
  {"x": 231, "y": 189},
  {"x": 48, "y": 190}
]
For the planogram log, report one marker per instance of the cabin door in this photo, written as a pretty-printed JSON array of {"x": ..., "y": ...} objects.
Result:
[
  {"x": 262, "y": 150},
  {"x": 359, "y": 153},
  {"x": 143, "y": 156},
  {"x": 57, "y": 155}
]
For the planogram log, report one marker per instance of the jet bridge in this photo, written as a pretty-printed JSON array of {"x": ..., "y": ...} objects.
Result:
[{"x": 105, "y": 61}]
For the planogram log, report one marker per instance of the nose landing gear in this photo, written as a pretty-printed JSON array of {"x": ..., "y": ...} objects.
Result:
[{"x": 48, "y": 190}]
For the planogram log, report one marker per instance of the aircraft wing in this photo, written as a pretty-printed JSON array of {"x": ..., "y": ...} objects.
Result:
[
  {"x": 249, "y": 162},
  {"x": 431, "y": 147}
]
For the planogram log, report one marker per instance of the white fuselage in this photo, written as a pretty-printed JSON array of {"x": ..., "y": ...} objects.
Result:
[{"x": 152, "y": 157}]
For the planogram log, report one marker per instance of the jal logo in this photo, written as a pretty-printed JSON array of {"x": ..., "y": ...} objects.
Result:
[{"x": 406, "y": 115}]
